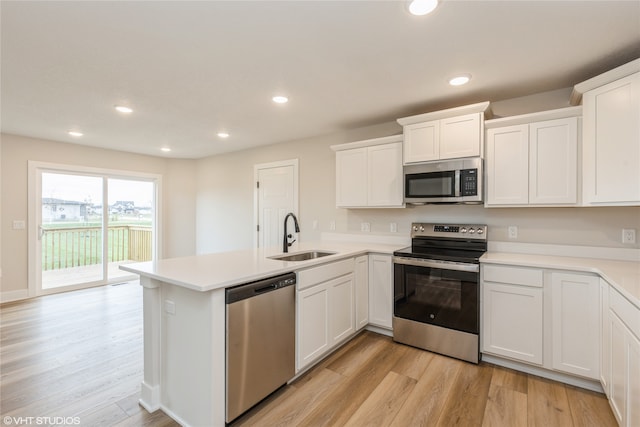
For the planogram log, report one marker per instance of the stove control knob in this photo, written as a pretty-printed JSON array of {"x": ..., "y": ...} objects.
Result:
[
  {"x": 472, "y": 231},
  {"x": 480, "y": 231},
  {"x": 421, "y": 228},
  {"x": 463, "y": 230},
  {"x": 415, "y": 228}
]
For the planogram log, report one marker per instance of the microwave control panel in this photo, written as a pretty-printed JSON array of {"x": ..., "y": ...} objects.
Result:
[{"x": 469, "y": 182}]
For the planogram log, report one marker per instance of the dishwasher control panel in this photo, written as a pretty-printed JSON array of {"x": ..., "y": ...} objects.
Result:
[{"x": 263, "y": 286}]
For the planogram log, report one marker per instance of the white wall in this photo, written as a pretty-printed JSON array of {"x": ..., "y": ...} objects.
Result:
[
  {"x": 224, "y": 217},
  {"x": 178, "y": 195}
]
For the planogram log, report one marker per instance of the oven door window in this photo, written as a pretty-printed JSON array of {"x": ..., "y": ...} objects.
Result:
[
  {"x": 440, "y": 297},
  {"x": 432, "y": 184}
]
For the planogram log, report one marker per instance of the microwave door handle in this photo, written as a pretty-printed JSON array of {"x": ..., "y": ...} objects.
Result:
[{"x": 457, "y": 183}]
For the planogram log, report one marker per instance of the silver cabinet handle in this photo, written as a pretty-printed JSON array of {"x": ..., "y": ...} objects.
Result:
[{"x": 432, "y": 263}]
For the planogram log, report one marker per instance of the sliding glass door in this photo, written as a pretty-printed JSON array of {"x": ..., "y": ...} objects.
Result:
[{"x": 87, "y": 224}]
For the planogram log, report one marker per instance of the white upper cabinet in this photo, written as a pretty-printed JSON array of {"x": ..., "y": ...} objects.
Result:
[
  {"x": 507, "y": 164},
  {"x": 351, "y": 177},
  {"x": 611, "y": 136},
  {"x": 369, "y": 173},
  {"x": 384, "y": 173},
  {"x": 447, "y": 134},
  {"x": 532, "y": 161},
  {"x": 422, "y": 142},
  {"x": 553, "y": 162},
  {"x": 461, "y": 136}
]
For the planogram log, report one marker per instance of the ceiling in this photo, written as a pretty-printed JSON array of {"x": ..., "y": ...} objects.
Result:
[{"x": 192, "y": 69}]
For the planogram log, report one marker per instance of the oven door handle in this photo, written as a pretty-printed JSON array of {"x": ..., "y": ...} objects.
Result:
[{"x": 432, "y": 263}]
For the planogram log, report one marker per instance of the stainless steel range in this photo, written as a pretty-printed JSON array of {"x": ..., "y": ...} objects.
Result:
[{"x": 437, "y": 289}]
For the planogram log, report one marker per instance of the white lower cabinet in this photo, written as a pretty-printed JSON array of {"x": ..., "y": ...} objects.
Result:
[
  {"x": 313, "y": 324},
  {"x": 380, "y": 291},
  {"x": 512, "y": 324},
  {"x": 361, "y": 277},
  {"x": 325, "y": 318},
  {"x": 605, "y": 338},
  {"x": 575, "y": 320},
  {"x": 542, "y": 317},
  {"x": 624, "y": 351},
  {"x": 325, "y": 309},
  {"x": 341, "y": 309}
]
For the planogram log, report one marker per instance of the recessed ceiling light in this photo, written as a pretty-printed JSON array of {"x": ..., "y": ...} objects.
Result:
[
  {"x": 165, "y": 149},
  {"x": 123, "y": 109},
  {"x": 223, "y": 135},
  {"x": 422, "y": 7},
  {"x": 280, "y": 99},
  {"x": 460, "y": 80},
  {"x": 75, "y": 133}
]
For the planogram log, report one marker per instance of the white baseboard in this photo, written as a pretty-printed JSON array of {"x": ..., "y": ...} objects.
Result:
[
  {"x": 379, "y": 330},
  {"x": 544, "y": 373},
  {"x": 8, "y": 296}
]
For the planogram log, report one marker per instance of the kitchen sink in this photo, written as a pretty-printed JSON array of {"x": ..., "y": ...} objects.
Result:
[{"x": 302, "y": 256}]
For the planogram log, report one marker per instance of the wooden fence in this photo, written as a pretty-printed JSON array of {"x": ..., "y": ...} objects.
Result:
[{"x": 68, "y": 247}]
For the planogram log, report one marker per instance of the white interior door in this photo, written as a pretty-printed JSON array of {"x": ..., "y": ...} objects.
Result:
[{"x": 276, "y": 196}]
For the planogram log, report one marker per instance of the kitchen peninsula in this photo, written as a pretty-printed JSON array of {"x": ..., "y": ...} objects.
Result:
[{"x": 184, "y": 322}]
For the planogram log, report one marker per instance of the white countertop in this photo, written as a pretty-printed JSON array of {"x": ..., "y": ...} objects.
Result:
[
  {"x": 623, "y": 275},
  {"x": 221, "y": 270}
]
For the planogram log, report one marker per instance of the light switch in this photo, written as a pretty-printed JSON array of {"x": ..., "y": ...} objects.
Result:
[
  {"x": 19, "y": 224},
  {"x": 393, "y": 227}
]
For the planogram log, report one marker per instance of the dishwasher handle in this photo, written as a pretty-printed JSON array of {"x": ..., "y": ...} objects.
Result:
[{"x": 259, "y": 287}]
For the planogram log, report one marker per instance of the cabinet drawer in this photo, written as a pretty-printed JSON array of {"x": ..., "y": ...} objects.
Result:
[
  {"x": 324, "y": 272},
  {"x": 626, "y": 311},
  {"x": 512, "y": 275}
]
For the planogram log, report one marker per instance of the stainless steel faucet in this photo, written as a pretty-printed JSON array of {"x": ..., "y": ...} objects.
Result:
[{"x": 287, "y": 236}]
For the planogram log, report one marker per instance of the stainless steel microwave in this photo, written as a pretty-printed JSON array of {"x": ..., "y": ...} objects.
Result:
[{"x": 446, "y": 181}]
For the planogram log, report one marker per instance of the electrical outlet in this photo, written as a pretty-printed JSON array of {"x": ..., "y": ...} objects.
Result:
[
  {"x": 513, "y": 232},
  {"x": 169, "y": 307},
  {"x": 629, "y": 236},
  {"x": 332, "y": 225},
  {"x": 365, "y": 227},
  {"x": 393, "y": 227}
]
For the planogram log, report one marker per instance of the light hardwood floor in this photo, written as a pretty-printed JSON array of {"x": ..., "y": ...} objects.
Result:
[
  {"x": 79, "y": 354},
  {"x": 75, "y": 354}
]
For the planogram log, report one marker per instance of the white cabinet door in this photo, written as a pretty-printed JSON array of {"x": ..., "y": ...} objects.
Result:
[
  {"x": 633, "y": 378},
  {"x": 605, "y": 339},
  {"x": 421, "y": 142},
  {"x": 460, "y": 136},
  {"x": 351, "y": 177},
  {"x": 617, "y": 397},
  {"x": 611, "y": 143},
  {"x": 361, "y": 277},
  {"x": 508, "y": 165},
  {"x": 575, "y": 308},
  {"x": 553, "y": 161},
  {"x": 313, "y": 324},
  {"x": 341, "y": 309},
  {"x": 380, "y": 291},
  {"x": 512, "y": 322},
  {"x": 384, "y": 172}
]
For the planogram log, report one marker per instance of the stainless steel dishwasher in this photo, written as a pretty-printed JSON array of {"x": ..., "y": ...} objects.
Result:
[{"x": 260, "y": 340}]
